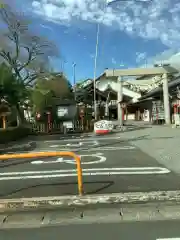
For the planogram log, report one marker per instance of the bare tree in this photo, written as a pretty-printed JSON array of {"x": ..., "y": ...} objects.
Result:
[{"x": 25, "y": 53}]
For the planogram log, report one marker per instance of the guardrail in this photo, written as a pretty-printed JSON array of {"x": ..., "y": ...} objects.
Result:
[{"x": 50, "y": 154}]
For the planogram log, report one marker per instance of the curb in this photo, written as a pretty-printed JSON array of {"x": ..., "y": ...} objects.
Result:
[
  {"x": 24, "y": 204},
  {"x": 24, "y": 147}
]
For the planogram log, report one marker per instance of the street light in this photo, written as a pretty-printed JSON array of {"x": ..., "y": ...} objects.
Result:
[
  {"x": 74, "y": 79},
  {"x": 73, "y": 75},
  {"x": 95, "y": 69},
  {"x": 107, "y": 3}
]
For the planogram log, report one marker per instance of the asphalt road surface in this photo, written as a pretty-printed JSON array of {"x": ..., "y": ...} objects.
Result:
[
  {"x": 109, "y": 166},
  {"x": 157, "y": 230}
]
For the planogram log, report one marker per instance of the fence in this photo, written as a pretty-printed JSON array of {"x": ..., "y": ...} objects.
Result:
[{"x": 77, "y": 126}]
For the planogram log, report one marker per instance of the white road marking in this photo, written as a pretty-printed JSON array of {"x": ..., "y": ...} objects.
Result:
[
  {"x": 71, "y": 161},
  {"x": 86, "y": 172},
  {"x": 115, "y": 148},
  {"x": 59, "y": 160},
  {"x": 76, "y": 145},
  {"x": 101, "y": 148},
  {"x": 83, "y": 139},
  {"x": 89, "y": 169},
  {"x": 168, "y": 238},
  {"x": 100, "y": 159}
]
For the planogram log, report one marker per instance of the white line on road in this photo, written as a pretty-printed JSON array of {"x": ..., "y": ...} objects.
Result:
[
  {"x": 59, "y": 160},
  {"x": 133, "y": 169},
  {"x": 84, "y": 139},
  {"x": 99, "y": 157},
  {"x": 168, "y": 238},
  {"x": 77, "y": 144},
  {"x": 86, "y": 172},
  {"x": 114, "y": 148},
  {"x": 102, "y": 148}
]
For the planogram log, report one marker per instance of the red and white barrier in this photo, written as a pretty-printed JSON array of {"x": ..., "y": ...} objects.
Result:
[{"x": 103, "y": 127}]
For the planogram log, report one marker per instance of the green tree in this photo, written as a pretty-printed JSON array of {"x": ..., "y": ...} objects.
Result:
[
  {"x": 11, "y": 90},
  {"x": 42, "y": 96},
  {"x": 60, "y": 86},
  {"x": 25, "y": 58},
  {"x": 48, "y": 90}
]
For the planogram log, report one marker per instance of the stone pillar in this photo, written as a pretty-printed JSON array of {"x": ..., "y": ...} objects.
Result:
[
  {"x": 166, "y": 99},
  {"x": 120, "y": 98}
]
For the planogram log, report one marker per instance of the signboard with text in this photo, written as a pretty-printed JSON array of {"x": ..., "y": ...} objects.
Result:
[
  {"x": 103, "y": 127},
  {"x": 62, "y": 111},
  {"x": 158, "y": 110}
]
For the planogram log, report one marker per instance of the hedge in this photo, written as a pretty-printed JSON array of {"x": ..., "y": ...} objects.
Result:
[{"x": 14, "y": 133}]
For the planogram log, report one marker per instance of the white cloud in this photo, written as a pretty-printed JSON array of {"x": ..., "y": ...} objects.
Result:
[
  {"x": 92, "y": 56},
  {"x": 171, "y": 56},
  {"x": 140, "y": 56},
  {"x": 156, "y": 19},
  {"x": 46, "y": 27},
  {"x": 113, "y": 60}
]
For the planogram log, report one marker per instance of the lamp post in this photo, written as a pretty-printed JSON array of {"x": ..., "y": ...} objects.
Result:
[
  {"x": 95, "y": 69},
  {"x": 74, "y": 79},
  {"x": 107, "y": 3}
]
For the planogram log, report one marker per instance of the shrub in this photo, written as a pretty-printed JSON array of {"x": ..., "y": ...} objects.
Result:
[{"x": 14, "y": 133}]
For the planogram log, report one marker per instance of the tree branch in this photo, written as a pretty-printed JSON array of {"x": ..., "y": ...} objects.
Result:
[{"x": 34, "y": 46}]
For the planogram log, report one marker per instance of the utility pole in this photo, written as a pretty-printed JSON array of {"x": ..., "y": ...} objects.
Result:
[
  {"x": 106, "y": 4},
  {"x": 74, "y": 79},
  {"x": 95, "y": 69}
]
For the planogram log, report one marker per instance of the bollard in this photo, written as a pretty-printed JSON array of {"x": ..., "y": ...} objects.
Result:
[{"x": 50, "y": 154}]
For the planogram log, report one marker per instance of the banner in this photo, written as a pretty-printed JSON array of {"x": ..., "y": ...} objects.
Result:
[{"x": 103, "y": 127}]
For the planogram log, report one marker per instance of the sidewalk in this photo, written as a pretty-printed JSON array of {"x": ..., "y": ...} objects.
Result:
[{"x": 160, "y": 142}]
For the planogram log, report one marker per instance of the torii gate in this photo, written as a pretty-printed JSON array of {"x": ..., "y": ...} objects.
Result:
[{"x": 120, "y": 73}]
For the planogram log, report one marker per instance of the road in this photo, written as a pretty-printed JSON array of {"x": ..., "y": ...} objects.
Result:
[
  {"x": 109, "y": 166},
  {"x": 157, "y": 230}
]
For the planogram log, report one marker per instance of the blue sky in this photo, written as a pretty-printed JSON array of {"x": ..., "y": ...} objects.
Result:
[{"x": 131, "y": 33}]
